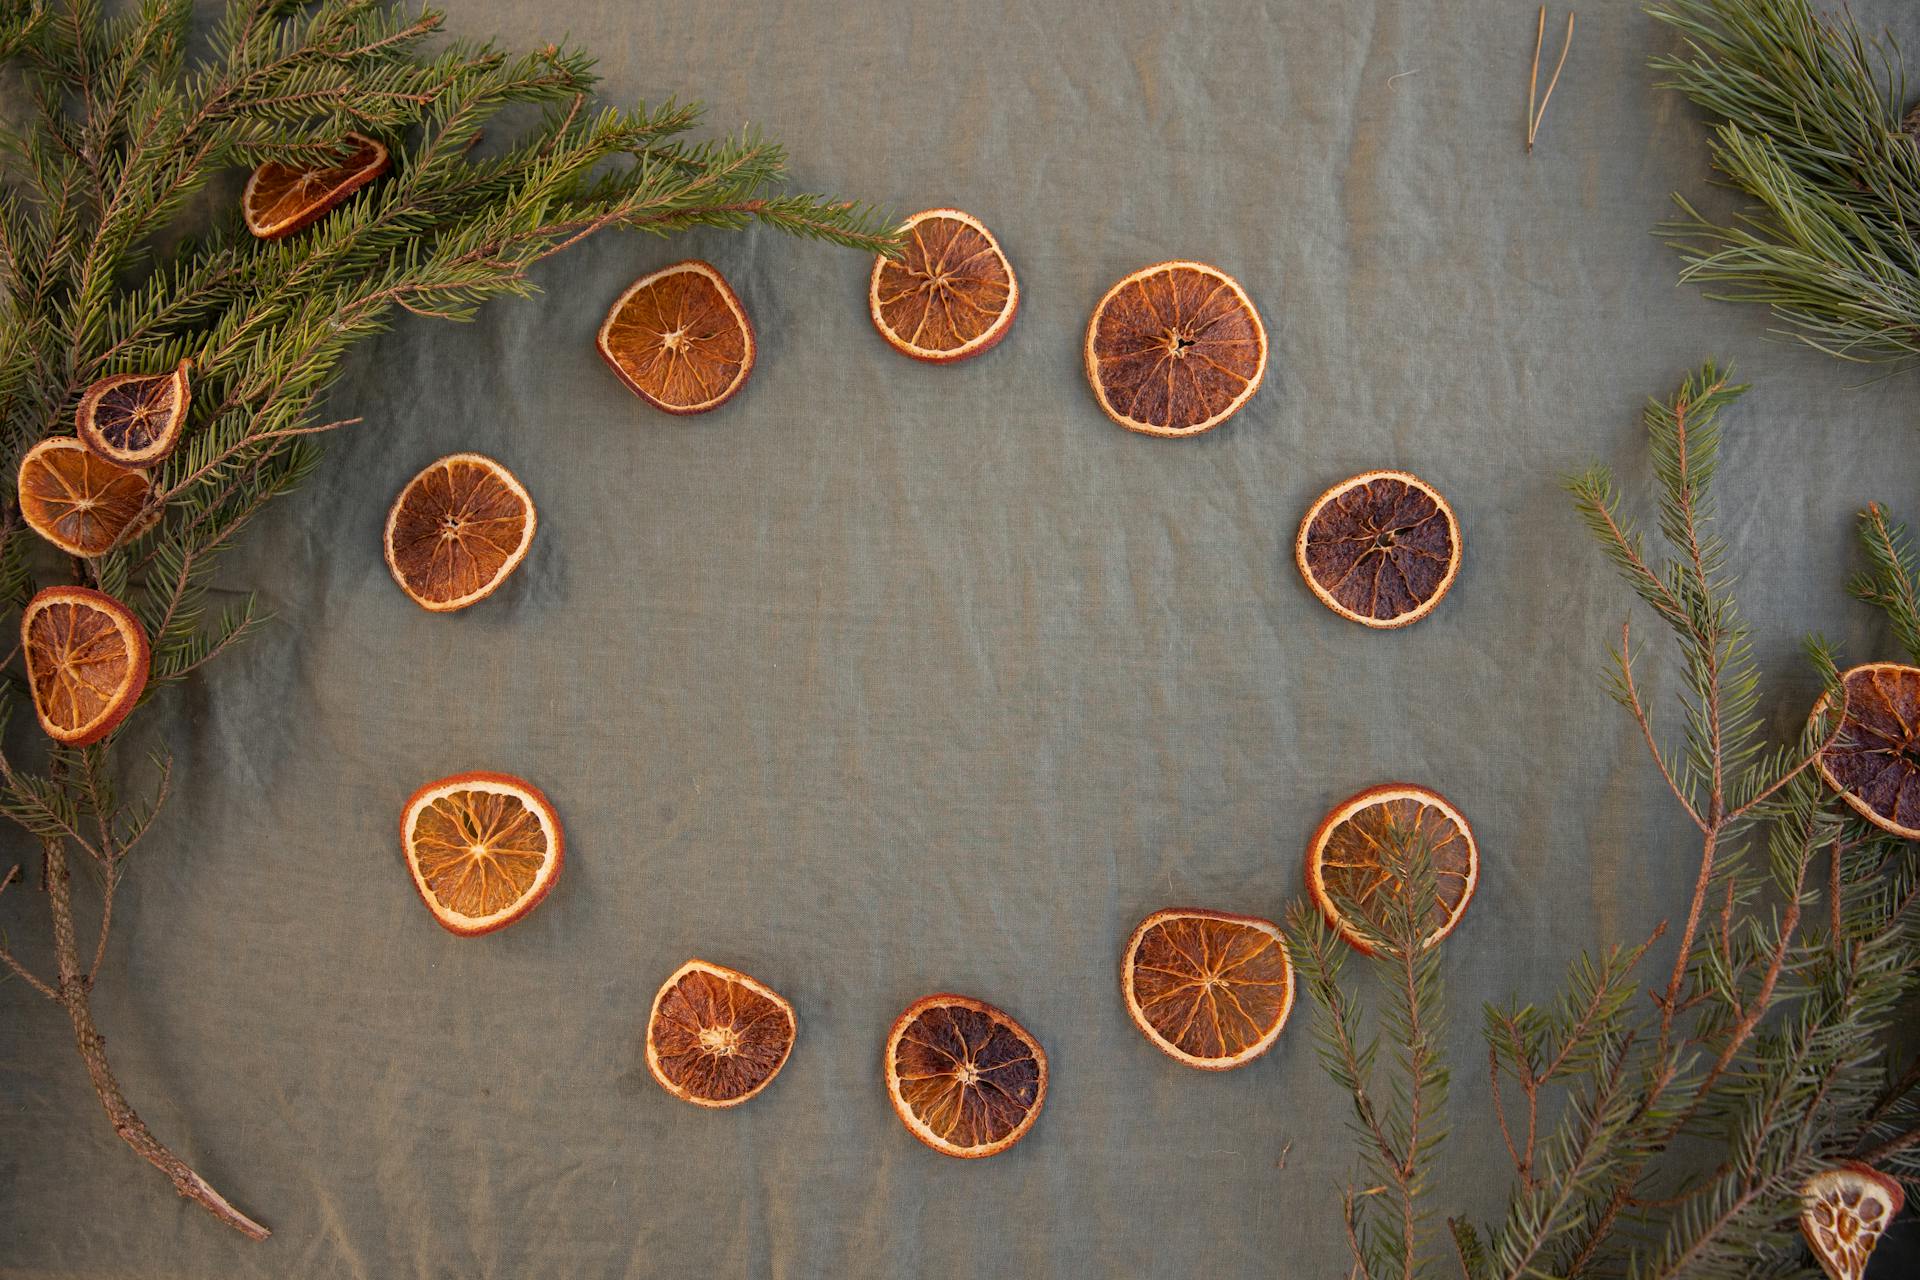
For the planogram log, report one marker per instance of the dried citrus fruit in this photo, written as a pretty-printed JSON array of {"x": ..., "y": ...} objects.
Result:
[
  {"x": 1209, "y": 989},
  {"x": 79, "y": 501},
  {"x": 1844, "y": 1212},
  {"x": 281, "y": 199},
  {"x": 679, "y": 339},
  {"x": 965, "y": 1078},
  {"x": 457, "y": 530},
  {"x": 135, "y": 419},
  {"x": 1380, "y": 548},
  {"x": 1347, "y": 858},
  {"x": 716, "y": 1037},
  {"x": 483, "y": 848},
  {"x": 87, "y": 659},
  {"x": 1175, "y": 349},
  {"x": 951, "y": 293},
  {"x": 1874, "y": 759}
]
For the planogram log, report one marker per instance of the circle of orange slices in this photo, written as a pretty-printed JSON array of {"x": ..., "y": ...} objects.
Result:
[
  {"x": 1351, "y": 855},
  {"x": 964, "y": 1078},
  {"x": 1873, "y": 759},
  {"x": 717, "y": 1037},
  {"x": 77, "y": 500},
  {"x": 1380, "y": 548},
  {"x": 87, "y": 661},
  {"x": 679, "y": 338},
  {"x": 1208, "y": 989},
  {"x": 483, "y": 849},
  {"x": 457, "y": 531},
  {"x": 135, "y": 419},
  {"x": 950, "y": 295},
  {"x": 1175, "y": 349},
  {"x": 281, "y": 198}
]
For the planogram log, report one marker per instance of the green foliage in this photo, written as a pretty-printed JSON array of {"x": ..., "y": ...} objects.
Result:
[
  {"x": 1809, "y": 124},
  {"x": 1664, "y": 1128}
]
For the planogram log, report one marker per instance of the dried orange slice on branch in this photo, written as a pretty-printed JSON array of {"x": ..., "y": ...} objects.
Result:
[
  {"x": 1175, "y": 349},
  {"x": 1379, "y": 549},
  {"x": 964, "y": 1078},
  {"x": 281, "y": 199},
  {"x": 457, "y": 531},
  {"x": 1844, "y": 1212},
  {"x": 679, "y": 339},
  {"x": 79, "y": 501},
  {"x": 87, "y": 661},
  {"x": 1354, "y": 858},
  {"x": 1209, "y": 989},
  {"x": 483, "y": 849},
  {"x": 716, "y": 1037},
  {"x": 1873, "y": 760},
  {"x": 950, "y": 295},
  {"x": 135, "y": 419}
]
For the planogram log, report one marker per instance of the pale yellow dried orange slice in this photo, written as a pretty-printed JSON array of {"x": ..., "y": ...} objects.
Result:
[
  {"x": 1175, "y": 349},
  {"x": 950, "y": 295},
  {"x": 135, "y": 419},
  {"x": 483, "y": 849},
  {"x": 87, "y": 660},
  {"x": 1380, "y": 548},
  {"x": 1844, "y": 1212},
  {"x": 679, "y": 339},
  {"x": 281, "y": 199},
  {"x": 79, "y": 501},
  {"x": 1351, "y": 859},
  {"x": 1208, "y": 989},
  {"x": 717, "y": 1037},
  {"x": 964, "y": 1078},
  {"x": 457, "y": 531}
]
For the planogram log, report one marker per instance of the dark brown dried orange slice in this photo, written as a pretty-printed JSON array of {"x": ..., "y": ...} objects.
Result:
[
  {"x": 1175, "y": 349},
  {"x": 1844, "y": 1212},
  {"x": 950, "y": 295},
  {"x": 1379, "y": 549},
  {"x": 1209, "y": 989},
  {"x": 1874, "y": 758},
  {"x": 483, "y": 849},
  {"x": 135, "y": 419},
  {"x": 87, "y": 659},
  {"x": 679, "y": 339},
  {"x": 1350, "y": 860},
  {"x": 281, "y": 199},
  {"x": 964, "y": 1078},
  {"x": 79, "y": 501},
  {"x": 457, "y": 530},
  {"x": 716, "y": 1037}
]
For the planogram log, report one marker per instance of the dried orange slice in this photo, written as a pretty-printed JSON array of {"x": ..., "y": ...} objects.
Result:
[
  {"x": 950, "y": 295},
  {"x": 79, "y": 501},
  {"x": 457, "y": 530},
  {"x": 716, "y": 1037},
  {"x": 1175, "y": 349},
  {"x": 483, "y": 848},
  {"x": 281, "y": 199},
  {"x": 1379, "y": 549},
  {"x": 679, "y": 339},
  {"x": 87, "y": 659},
  {"x": 1345, "y": 859},
  {"x": 1874, "y": 759},
  {"x": 1844, "y": 1212},
  {"x": 135, "y": 419},
  {"x": 964, "y": 1078},
  {"x": 1209, "y": 989}
]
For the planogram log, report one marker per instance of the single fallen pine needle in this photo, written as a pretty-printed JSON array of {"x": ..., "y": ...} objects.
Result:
[{"x": 1536, "y": 115}]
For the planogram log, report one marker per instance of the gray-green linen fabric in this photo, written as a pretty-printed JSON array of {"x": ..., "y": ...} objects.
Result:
[{"x": 888, "y": 678}]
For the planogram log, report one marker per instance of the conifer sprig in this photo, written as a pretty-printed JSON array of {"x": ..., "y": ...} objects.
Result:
[{"x": 98, "y": 276}]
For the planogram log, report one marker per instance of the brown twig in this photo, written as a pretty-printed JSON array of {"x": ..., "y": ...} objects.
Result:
[{"x": 1533, "y": 79}]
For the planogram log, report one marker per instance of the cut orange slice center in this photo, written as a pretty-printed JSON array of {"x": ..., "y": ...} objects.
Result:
[
  {"x": 1873, "y": 760},
  {"x": 78, "y": 501},
  {"x": 1175, "y": 349},
  {"x": 1379, "y": 549},
  {"x": 483, "y": 848},
  {"x": 1844, "y": 1212},
  {"x": 1353, "y": 858},
  {"x": 716, "y": 1037},
  {"x": 950, "y": 295},
  {"x": 135, "y": 419},
  {"x": 964, "y": 1078},
  {"x": 679, "y": 339},
  {"x": 457, "y": 531},
  {"x": 1208, "y": 989},
  {"x": 281, "y": 199},
  {"x": 87, "y": 661}
]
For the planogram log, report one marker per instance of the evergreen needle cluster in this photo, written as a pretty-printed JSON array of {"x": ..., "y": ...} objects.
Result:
[
  {"x": 1661, "y": 1124},
  {"x": 96, "y": 279},
  {"x": 1811, "y": 122}
]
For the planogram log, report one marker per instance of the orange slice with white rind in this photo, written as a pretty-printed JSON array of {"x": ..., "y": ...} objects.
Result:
[
  {"x": 483, "y": 849},
  {"x": 1844, "y": 1212},
  {"x": 1208, "y": 989},
  {"x": 950, "y": 295},
  {"x": 281, "y": 199},
  {"x": 80, "y": 502},
  {"x": 1175, "y": 349},
  {"x": 717, "y": 1037},
  {"x": 964, "y": 1077},
  {"x": 679, "y": 339},
  {"x": 457, "y": 531},
  {"x": 135, "y": 419},
  {"x": 1348, "y": 859},
  {"x": 87, "y": 661},
  {"x": 1873, "y": 760},
  {"x": 1380, "y": 548}
]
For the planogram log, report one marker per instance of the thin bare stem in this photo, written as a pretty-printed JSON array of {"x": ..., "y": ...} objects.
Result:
[{"x": 1535, "y": 117}]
